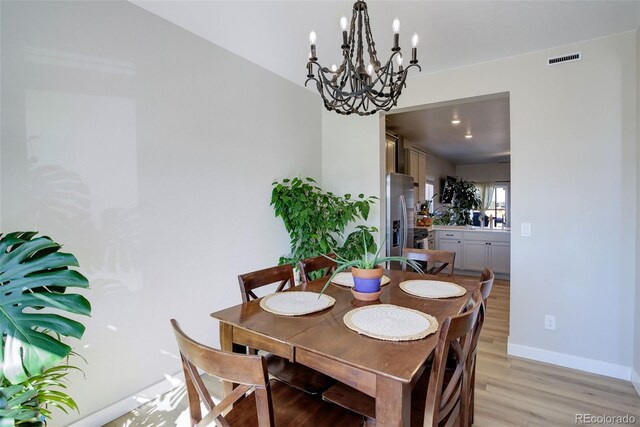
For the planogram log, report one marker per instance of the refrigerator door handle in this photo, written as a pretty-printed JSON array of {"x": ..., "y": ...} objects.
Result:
[{"x": 403, "y": 225}]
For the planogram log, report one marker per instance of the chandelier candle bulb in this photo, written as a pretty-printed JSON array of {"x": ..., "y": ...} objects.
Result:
[
  {"x": 334, "y": 68},
  {"x": 396, "y": 35},
  {"x": 343, "y": 27},
  {"x": 312, "y": 41},
  {"x": 399, "y": 62},
  {"x": 414, "y": 48},
  {"x": 396, "y": 26}
]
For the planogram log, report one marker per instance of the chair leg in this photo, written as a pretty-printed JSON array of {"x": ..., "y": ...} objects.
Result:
[{"x": 472, "y": 388}]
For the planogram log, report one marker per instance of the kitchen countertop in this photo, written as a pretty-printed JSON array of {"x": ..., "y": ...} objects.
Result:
[{"x": 469, "y": 228}]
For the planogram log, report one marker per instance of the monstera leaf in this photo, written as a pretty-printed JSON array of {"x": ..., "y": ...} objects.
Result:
[{"x": 33, "y": 279}]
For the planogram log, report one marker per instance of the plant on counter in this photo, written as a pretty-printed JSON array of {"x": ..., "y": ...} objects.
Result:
[
  {"x": 366, "y": 270},
  {"x": 316, "y": 219},
  {"x": 465, "y": 200},
  {"x": 34, "y": 276}
]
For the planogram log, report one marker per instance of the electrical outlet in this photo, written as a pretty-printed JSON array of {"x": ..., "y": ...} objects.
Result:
[
  {"x": 525, "y": 229},
  {"x": 550, "y": 322}
]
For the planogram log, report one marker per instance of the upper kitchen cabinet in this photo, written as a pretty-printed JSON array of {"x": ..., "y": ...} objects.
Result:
[
  {"x": 391, "y": 144},
  {"x": 417, "y": 161}
]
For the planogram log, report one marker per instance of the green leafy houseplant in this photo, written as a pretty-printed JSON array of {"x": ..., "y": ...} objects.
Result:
[
  {"x": 368, "y": 262},
  {"x": 34, "y": 276},
  {"x": 465, "y": 200},
  {"x": 316, "y": 219}
]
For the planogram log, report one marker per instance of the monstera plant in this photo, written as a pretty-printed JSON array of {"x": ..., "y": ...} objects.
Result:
[{"x": 34, "y": 278}]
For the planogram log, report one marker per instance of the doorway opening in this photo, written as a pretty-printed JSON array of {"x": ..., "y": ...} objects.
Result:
[{"x": 449, "y": 146}]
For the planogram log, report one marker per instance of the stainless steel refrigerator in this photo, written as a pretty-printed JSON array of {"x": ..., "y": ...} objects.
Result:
[{"x": 400, "y": 215}]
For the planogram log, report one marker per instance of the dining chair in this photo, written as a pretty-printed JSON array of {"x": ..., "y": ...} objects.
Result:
[
  {"x": 281, "y": 274},
  {"x": 293, "y": 374},
  {"x": 439, "y": 395},
  {"x": 447, "y": 389},
  {"x": 256, "y": 400},
  {"x": 446, "y": 258},
  {"x": 318, "y": 263},
  {"x": 486, "y": 284}
]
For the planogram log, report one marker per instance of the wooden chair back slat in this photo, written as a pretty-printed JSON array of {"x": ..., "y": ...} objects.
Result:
[
  {"x": 309, "y": 265},
  {"x": 446, "y": 258},
  {"x": 446, "y": 402},
  {"x": 250, "y": 281},
  {"x": 250, "y": 372},
  {"x": 486, "y": 283}
]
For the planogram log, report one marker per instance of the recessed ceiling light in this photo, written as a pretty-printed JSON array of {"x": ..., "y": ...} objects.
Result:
[
  {"x": 455, "y": 121},
  {"x": 468, "y": 136}
]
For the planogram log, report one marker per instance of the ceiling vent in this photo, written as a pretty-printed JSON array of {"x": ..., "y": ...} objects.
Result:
[{"x": 576, "y": 56}]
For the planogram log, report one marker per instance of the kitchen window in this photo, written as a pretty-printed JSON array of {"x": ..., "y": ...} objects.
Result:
[{"x": 499, "y": 207}]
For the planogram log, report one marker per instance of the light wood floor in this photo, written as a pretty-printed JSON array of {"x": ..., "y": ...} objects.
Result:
[
  {"x": 514, "y": 391},
  {"x": 509, "y": 391}
]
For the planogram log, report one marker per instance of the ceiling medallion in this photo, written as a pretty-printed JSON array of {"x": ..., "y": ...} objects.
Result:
[{"x": 354, "y": 87}]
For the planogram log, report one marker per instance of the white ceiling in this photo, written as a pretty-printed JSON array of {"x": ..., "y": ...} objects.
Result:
[
  {"x": 486, "y": 118},
  {"x": 274, "y": 35}
]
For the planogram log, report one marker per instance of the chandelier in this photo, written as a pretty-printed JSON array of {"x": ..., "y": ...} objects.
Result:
[{"x": 354, "y": 87}]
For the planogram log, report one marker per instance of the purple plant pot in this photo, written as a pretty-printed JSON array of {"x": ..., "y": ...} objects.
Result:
[{"x": 366, "y": 285}]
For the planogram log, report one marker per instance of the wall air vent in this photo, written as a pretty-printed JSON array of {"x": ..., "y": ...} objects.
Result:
[{"x": 576, "y": 56}]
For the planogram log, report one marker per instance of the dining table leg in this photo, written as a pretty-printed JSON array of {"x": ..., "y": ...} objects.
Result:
[
  {"x": 226, "y": 344},
  {"x": 393, "y": 403}
]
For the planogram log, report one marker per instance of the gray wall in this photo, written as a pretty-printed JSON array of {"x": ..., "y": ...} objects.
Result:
[
  {"x": 636, "y": 356},
  {"x": 490, "y": 172},
  {"x": 573, "y": 139},
  {"x": 149, "y": 152},
  {"x": 439, "y": 169}
]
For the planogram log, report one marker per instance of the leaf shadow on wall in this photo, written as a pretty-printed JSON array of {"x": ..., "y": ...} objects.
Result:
[{"x": 105, "y": 244}]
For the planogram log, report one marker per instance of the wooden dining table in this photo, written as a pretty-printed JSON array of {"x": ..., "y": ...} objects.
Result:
[{"x": 384, "y": 370}]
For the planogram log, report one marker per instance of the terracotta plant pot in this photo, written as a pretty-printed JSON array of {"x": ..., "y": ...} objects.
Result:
[
  {"x": 367, "y": 296},
  {"x": 366, "y": 281}
]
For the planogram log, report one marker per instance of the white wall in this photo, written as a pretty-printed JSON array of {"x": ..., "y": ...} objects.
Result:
[
  {"x": 439, "y": 168},
  {"x": 573, "y": 144},
  {"x": 485, "y": 172},
  {"x": 149, "y": 153},
  {"x": 346, "y": 167}
]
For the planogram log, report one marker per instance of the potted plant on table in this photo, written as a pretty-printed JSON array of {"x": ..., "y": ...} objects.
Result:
[{"x": 367, "y": 271}]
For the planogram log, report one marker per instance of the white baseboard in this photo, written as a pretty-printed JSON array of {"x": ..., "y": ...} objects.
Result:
[
  {"x": 130, "y": 403},
  {"x": 635, "y": 380},
  {"x": 570, "y": 361}
]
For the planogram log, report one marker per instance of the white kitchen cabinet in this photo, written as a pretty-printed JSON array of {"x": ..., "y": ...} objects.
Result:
[
  {"x": 475, "y": 255},
  {"x": 418, "y": 170},
  {"x": 450, "y": 241},
  {"x": 391, "y": 155},
  {"x": 486, "y": 249},
  {"x": 500, "y": 257},
  {"x": 477, "y": 249}
]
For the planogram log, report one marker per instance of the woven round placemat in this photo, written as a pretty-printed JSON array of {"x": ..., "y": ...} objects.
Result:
[
  {"x": 346, "y": 279},
  {"x": 296, "y": 303},
  {"x": 389, "y": 322},
  {"x": 434, "y": 289}
]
